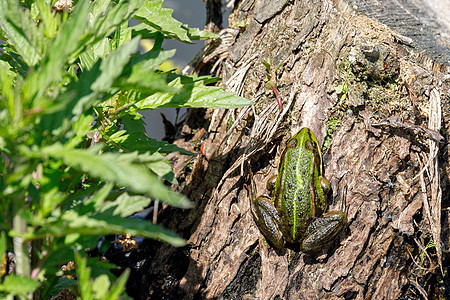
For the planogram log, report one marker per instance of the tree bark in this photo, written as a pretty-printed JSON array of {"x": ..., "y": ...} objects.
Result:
[{"x": 382, "y": 110}]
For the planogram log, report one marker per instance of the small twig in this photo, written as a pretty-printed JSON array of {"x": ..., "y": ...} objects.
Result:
[
  {"x": 426, "y": 253},
  {"x": 426, "y": 204},
  {"x": 427, "y": 164},
  {"x": 416, "y": 263},
  {"x": 155, "y": 211},
  {"x": 419, "y": 288},
  {"x": 277, "y": 95}
]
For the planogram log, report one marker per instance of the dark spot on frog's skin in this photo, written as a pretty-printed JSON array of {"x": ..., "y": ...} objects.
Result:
[{"x": 309, "y": 145}]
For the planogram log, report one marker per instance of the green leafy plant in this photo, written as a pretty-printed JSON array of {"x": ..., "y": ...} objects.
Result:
[
  {"x": 342, "y": 90},
  {"x": 271, "y": 80},
  {"x": 430, "y": 245},
  {"x": 332, "y": 125},
  {"x": 75, "y": 158}
]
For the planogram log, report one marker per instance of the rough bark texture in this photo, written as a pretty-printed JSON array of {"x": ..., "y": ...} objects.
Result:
[
  {"x": 386, "y": 111},
  {"x": 423, "y": 24}
]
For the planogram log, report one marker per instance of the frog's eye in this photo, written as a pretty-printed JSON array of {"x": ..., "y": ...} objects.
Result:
[
  {"x": 309, "y": 145},
  {"x": 292, "y": 143}
]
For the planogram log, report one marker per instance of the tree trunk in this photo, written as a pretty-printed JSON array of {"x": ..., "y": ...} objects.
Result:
[{"x": 379, "y": 107}]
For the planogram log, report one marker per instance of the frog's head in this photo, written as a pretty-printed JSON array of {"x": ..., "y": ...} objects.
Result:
[
  {"x": 304, "y": 139},
  {"x": 304, "y": 144}
]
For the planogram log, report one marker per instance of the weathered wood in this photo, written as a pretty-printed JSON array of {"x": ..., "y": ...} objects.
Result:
[
  {"x": 382, "y": 143},
  {"x": 422, "y": 24}
]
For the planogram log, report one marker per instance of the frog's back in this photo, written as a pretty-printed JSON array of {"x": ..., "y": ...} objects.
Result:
[{"x": 295, "y": 203}]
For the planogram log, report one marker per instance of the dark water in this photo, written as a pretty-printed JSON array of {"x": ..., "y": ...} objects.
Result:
[{"x": 192, "y": 13}]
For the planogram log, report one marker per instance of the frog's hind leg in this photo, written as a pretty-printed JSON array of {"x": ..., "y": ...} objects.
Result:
[
  {"x": 323, "y": 230},
  {"x": 267, "y": 219}
]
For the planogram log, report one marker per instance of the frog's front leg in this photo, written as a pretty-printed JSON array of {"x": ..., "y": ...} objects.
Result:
[
  {"x": 266, "y": 217},
  {"x": 322, "y": 231}
]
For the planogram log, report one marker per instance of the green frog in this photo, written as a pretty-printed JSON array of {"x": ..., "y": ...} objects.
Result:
[{"x": 297, "y": 212}]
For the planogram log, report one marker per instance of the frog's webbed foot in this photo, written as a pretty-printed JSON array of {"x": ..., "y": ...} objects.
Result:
[
  {"x": 322, "y": 231},
  {"x": 268, "y": 220}
]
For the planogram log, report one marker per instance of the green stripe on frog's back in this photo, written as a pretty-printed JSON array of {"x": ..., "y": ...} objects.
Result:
[{"x": 296, "y": 182}]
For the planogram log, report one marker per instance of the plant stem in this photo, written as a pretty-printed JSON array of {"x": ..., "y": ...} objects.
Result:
[{"x": 20, "y": 247}]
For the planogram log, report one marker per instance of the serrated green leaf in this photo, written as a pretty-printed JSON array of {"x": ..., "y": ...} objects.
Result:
[
  {"x": 115, "y": 15},
  {"x": 153, "y": 14},
  {"x": 122, "y": 36},
  {"x": 99, "y": 267},
  {"x": 112, "y": 168},
  {"x": 125, "y": 205},
  {"x": 162, "y": 168},
  {"x": 3, "y": 36},
  {"x": 105, "y": 223},
  {"x": 142, "y": 143},
  {"x": 138, "y": 139},
  {"x": 58, "y": 55},
  {"x": 143, "y": 81},
  {"x": 77, "y": 99},
  {"x": 145, "y": 31},
  {"x": 99, "y": 7},
  {"x": 21, "y": 31},
  {"x": 140, "y": 74},
  {"x": 194, "y": 95},
  {"x": 148, "y": 32},
  {"x": 18, "y": 285},
  {"x": 197, "y": 34},
  {"x": 91, "y": 55},
  {"x": 112, "y": 66},
  {"x": 133, "y": 123},
  {"x": 153, "y": 59},
  {"x": 83, "y": 94},
  {"x": 48, "y": 18},
  {"x": 105, "y": 20},
  {"x": 50, "y": 197}
]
